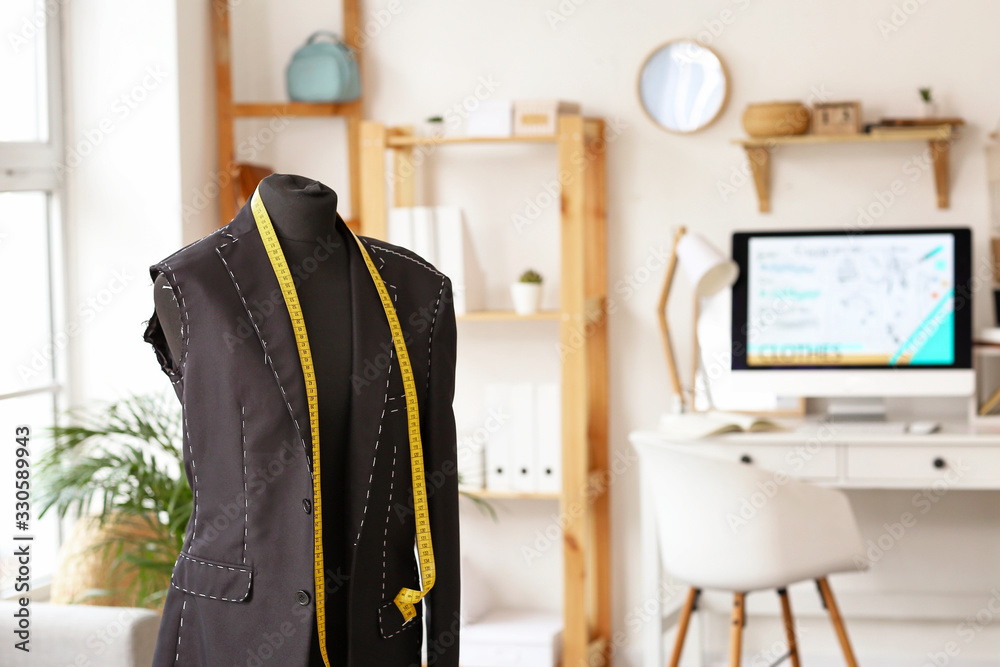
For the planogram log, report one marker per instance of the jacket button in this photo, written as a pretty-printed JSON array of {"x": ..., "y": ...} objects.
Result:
[
  {"x": 302, "y": 598},
  {"x": 307, "y": 505}
]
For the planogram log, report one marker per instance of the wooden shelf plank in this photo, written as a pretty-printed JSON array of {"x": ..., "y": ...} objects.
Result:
[
  {"x": 507, "y": 316},
  {"x": 512, "y": 495},
  {"x": 263, "y": 109},
  {"x": 401, "y": 141},
  {"x": 938, "y": 137},
  {"x": 933, "y": 133}
]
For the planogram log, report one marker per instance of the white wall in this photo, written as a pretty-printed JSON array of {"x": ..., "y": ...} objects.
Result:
[
  {"x": 122, "y": 185},
  {"x": 431, "y": 55}
]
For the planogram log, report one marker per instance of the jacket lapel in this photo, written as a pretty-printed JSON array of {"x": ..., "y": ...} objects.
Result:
[{"x": 372, "y": 356}]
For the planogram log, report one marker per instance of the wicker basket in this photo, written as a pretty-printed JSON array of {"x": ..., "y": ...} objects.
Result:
[
  {"x": 85, "y": 564},
  {"x": 776, "y": 119}
]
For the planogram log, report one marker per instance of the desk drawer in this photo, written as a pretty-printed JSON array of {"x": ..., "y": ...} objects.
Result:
[
  {"x": 954, "y": 466},
  {"x": 807, "y": 461}
]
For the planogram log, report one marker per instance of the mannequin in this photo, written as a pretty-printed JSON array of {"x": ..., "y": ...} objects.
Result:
[{"x": 313, "y": 239}]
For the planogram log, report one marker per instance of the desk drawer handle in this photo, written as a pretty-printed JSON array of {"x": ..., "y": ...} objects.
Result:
[
  {"x": 940, "y": 463},
  {"x": 746, "y": 458}
]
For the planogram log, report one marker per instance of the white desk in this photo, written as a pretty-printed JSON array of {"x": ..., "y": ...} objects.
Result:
[{"x": 953, "y": 458}]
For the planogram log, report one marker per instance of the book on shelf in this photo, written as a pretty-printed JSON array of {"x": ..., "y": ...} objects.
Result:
[{"x": 695, "y": 425}]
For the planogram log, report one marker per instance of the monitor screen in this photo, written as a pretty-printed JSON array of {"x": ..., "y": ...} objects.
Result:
[{"x": 895, "y": 299}]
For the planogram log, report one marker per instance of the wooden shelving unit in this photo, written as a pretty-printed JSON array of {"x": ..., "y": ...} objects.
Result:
[
  {"x": 938, "y": 137},
  {"x": 582, "y": 319},
  {"x": 227, "y": 111}
]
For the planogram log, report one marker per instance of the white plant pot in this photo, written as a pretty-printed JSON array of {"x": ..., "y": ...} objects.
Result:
[
  {"x": 927, "y": 109},
  {"x": 527, "y": 297},
  {"x": 435, "y": 130}
]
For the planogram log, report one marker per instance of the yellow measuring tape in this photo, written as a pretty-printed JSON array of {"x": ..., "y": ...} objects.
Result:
[{"x": 407, "y": 597}]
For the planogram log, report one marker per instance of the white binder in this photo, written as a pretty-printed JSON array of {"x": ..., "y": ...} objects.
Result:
[
  {"x": 457, "y": 260},
  {"x": 549, "y": 433},
  {"x": 523, "y": 436},
  {"x": 498, "y": 451},
  {"x": 399, "y": 228},
  {"x": 439, "y": 235},
  {"x": 424, "y": 236}
]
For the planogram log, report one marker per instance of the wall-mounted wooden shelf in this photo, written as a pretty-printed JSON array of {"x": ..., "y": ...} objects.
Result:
[{"x": 938, "y": 137}]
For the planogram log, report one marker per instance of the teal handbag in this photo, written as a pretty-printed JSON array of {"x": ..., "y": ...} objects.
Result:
[{"x": 323, "y": 71}]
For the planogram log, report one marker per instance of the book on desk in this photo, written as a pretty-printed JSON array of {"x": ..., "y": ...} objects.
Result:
[{"x": 695, "y": 425}]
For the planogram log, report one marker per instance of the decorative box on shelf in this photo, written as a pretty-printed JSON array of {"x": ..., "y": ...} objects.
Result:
[
  {"x": 836, "y": 118},
  {"x": 492, "y": 118},
  {"x": 540, "y": 117}
]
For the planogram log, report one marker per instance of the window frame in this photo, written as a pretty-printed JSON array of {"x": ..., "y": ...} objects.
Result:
[{"x": 35, "y": 166}]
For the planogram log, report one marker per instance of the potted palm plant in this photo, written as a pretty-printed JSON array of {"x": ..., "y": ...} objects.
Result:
[{"x": 119, "y": 468}]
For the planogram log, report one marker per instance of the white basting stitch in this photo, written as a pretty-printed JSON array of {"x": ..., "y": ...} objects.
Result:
[
  {"x": 415, "y": 261},
  {"x": 221, "y": 567},
  {"x": 371, "y": 476},
  {"x": 185, "y": 315},
  {"x": 213, "y": 597},
  {"x": 430, "y": 336},
  {"x": 246, "y": 497},
  {"x": 406, "y": 624},
  {"x": 177, "y": 656},
  {"x": 257, "y": 329},
  {"x": 248, "y": 572},
  {"x": 194, "y": 472},
  {"x": 388, "y": 511},
  {"x": 191, "y": 245}
]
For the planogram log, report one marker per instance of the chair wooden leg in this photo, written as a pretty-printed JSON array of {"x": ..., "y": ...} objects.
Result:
[
  {"x": 736, "y": 631},
  {"x": 786, "y": 614},
  {"x": 838, "y": 623},
  {"x": 682, "y": 625}
]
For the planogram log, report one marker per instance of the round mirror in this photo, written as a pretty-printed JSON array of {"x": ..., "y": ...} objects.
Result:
[{"x": 683, "y": 86}]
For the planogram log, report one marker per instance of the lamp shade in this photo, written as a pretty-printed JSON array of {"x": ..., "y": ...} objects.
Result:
[{"x": 708, "y": 269}]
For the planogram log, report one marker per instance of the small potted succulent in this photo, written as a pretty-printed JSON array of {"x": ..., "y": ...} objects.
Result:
[
  {"x": 927, "y": 108},
  {"x": 527, "y": 293},
  {"x": 433, "y": 127}
]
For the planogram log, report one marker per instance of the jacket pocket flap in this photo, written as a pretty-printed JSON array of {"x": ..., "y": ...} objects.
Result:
[
  {"x": 390, "y": 619},
  {"x": 211, "y": 579}
]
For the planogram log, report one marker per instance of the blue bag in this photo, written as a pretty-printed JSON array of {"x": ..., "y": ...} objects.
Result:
[{"x": 323, "y": 71}]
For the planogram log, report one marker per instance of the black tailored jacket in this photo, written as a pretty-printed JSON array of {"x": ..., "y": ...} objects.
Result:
[{"x": 242, "y": 590}]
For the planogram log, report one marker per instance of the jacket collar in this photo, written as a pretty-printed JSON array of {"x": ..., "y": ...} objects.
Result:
[{"x": 245, "y": 258}]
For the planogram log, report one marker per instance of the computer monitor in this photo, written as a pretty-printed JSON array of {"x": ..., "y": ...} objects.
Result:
[{"x": 835, "y": 313}]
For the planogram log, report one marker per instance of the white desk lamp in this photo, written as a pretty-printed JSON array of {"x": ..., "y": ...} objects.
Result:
[{"x": 709, "y": 272}]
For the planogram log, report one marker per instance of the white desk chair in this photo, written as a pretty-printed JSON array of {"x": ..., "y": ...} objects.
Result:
[{"x": 792, "y": 532}]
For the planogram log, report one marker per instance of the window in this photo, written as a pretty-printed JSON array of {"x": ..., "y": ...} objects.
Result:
[{"x": 33, "y": 338}]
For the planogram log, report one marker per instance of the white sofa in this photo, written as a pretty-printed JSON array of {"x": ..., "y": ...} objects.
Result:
[{"x": 80, "y": 635}]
